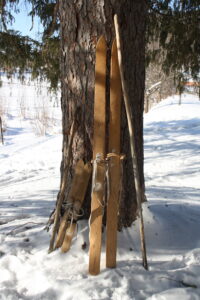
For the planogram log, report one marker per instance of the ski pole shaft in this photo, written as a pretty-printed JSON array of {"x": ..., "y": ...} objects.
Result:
[{"x": 132, "y": 142}]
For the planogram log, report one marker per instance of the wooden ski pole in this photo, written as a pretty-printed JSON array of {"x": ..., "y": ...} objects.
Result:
[
  {"x": 63, "y": 184},
  {"x": 132, "y": 142}
]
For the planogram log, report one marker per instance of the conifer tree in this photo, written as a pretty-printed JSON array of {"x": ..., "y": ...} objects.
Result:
[{"x": 174, "y": 25}]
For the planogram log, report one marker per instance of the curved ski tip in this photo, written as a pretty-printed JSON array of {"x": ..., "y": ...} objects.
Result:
[
  {"x": 114, "y": 44},
  {"x": 101, "y": 42}
]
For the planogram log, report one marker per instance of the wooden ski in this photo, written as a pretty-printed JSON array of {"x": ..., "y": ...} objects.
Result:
[
  {"x": 71, "y": 229},
  {"x": 113, "y": 160},
  {"x": 62, "y": 230},
  {"x": 75, "y": 199},
  {"x": 98, "y": 158},
  {"x": 77, "y": 194},
  {"x": 63, "y": 184}
]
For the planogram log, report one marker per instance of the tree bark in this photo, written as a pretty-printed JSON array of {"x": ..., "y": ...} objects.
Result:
[{"x": 82, "y": 23}]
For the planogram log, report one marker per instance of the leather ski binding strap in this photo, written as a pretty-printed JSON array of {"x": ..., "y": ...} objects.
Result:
[{"x": 112, "y": 154}]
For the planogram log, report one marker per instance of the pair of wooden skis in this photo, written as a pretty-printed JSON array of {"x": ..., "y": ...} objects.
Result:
[
  {"x": 117, "y": 86},
  {"x": 76, "y": 197},
  {"x": 66, "y": 228},
  {"x": 100, "y": 159},
  {"x": 101, "y": 164}
]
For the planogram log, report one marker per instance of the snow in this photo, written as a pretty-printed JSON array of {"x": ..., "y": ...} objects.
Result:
[{"x": 29, "y": 182}]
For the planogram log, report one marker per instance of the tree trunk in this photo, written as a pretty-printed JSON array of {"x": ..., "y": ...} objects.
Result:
[{"x": 82, "y": 23}]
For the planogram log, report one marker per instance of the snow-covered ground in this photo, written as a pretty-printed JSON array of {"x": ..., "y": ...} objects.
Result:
[{"x": 29, "y": 181}]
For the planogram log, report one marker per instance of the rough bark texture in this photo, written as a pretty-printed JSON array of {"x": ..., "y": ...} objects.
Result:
[{"x": 82, "y": 23}]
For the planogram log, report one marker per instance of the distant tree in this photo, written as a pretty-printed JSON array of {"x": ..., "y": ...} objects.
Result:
[
  {"x": 173, "y": 27},
  {"x": 20, "y": 54}
]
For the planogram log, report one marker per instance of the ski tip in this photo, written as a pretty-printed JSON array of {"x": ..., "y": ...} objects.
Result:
[
  {"x": 101, "y": 42},
  {"x": 114, "y": 45}
]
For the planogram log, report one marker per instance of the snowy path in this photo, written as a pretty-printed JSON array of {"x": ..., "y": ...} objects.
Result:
[
  {"x": 172, "y": 165},
  {"x": 29, "y": 181}
]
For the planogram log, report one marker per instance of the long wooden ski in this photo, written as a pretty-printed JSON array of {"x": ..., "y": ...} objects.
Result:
[
  {"x": 113, "y": 160},
  {"x": 98, "y": 158}
]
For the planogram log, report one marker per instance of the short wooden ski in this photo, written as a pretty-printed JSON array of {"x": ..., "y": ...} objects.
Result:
[
  {"x": 62, "y": 230},
  {"x": 75, "y": 199},
  {"x": 70, "y": 232},
  {"x": 113, "y": 160},
  {"x": 77, "y": 194},
  {"x": 98, "y": 158},
  {"x": 63, "y": 184}
]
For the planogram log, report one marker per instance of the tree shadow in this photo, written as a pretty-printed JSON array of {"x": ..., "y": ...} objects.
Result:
[
  {"x": 177, "y": 140},
  {"x": 12, "y": 131},
  {"x": 23, "y": 208}
]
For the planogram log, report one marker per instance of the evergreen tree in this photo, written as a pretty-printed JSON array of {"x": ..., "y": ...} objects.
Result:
[
  {"x": 21, "y": 53},
  {"x": 172, "y": 24}
]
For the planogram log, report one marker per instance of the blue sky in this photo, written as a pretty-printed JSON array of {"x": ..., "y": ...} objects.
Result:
[{"x": 23, "y": 22}]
